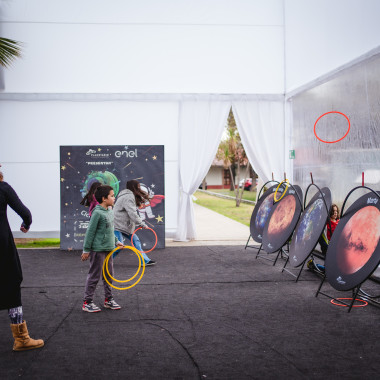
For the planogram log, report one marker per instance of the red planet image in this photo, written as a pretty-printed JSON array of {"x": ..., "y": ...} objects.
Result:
[
  {"x": 282, "y": 216},
  {"x": 358, "y": 240}
]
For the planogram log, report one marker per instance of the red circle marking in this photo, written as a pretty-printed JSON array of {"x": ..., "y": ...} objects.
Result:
[
  {"x": 332, "y": 142},
  {"x": 147, "y": 228},
  {"x": 365, "y": 303}
]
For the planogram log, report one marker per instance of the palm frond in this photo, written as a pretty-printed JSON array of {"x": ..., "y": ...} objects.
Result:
[{"x": 9, "y": 51}]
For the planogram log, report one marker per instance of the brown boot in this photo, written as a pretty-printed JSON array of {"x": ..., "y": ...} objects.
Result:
[{"x": 22, "y": 339}]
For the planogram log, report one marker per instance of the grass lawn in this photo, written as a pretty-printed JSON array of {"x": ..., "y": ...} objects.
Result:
[
  {"x": 247, "y": 195},
  {"x": 37, "y": 243},
  {"x": 225, "y": 207}
]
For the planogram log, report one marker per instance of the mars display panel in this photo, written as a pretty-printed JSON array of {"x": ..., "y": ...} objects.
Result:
[
  {"x": 354, "y": 250},
  {"x": 282, "y": 220}
]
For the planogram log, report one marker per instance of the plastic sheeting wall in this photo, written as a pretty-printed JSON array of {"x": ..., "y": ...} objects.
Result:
[{"x": 356, "y": 93}]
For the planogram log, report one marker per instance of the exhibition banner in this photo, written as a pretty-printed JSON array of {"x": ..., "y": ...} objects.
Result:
[{"x": 114, "y": 165}]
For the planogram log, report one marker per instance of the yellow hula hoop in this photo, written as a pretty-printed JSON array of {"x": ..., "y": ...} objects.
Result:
[
  {"x": 286, "y": 189},
  {"x": 138, "y": 253},
  {"x": 138, "y": 269}
]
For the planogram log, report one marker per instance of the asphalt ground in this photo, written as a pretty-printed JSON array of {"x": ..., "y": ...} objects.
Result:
[{"x": 201, "y": 313}]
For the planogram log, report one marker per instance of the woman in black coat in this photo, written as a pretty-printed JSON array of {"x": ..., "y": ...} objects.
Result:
[{"x": 10, "y": 268}]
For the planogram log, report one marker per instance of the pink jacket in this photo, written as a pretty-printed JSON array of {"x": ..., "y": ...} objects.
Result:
[{"x": 93, "y": 203}]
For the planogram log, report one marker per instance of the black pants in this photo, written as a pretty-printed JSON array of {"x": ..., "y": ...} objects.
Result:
[{"x": 323, "y": 245}]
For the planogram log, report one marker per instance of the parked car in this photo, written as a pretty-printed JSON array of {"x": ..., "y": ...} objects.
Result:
[{"x": 247, "y": 182}]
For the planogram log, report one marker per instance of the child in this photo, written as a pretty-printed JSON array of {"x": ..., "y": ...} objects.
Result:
[
  {"x": 334, "y": 220},
  {"x": 323, "y": 242},
  {"x": 98, "y": 242},
  {"x": 89, "y": 199},
  {"x": 126, "y": 216}
]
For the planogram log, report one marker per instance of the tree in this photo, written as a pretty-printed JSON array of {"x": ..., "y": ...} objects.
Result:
[
  {"x": 232, "y": 152},
  {"x": 9, "y": 51}
]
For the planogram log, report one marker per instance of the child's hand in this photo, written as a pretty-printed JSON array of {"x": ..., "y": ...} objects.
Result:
[
  {"x": 118, "y": 244},
  {"x": 85, "y": 256}
]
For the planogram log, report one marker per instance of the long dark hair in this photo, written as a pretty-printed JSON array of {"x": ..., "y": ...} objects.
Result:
[
  {"x": 87, "y": 199},
  {"x": 332, "y": 211},
  {"x": 140, "y": 196}
]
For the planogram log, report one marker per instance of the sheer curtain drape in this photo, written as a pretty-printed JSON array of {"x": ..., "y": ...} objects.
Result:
[
  {"x": 201, "y": 124},
  {"x": 261, "y": 128}
]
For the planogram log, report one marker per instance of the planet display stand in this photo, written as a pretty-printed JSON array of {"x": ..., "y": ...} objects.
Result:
[
  {"x": 260, "y": 214},
  {"x": 281, "y": 223},
  {"x": 350, "y": 259},
  {"x": 301, "y": 249}
]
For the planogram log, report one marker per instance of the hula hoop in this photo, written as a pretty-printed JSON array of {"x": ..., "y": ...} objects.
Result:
[
  {"x": 138, "y": 253},
  {"x": 274, "y": 197},
  {"x": 148, "y": 228},
  {"x": 138, "y": 269},
  {"x": 365, "y": 303}
]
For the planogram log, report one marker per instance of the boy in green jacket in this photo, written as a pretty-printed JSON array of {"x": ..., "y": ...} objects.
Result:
[{"x": 98, "y": 243}]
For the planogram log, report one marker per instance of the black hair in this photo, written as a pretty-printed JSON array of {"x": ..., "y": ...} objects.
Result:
[
  {"x": 102, "y": 191},
  {"x": 140, "y": 196},
  {"x": 87, "y": 199}
]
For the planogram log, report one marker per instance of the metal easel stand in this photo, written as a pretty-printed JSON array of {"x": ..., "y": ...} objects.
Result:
[
  {"x": 281, "y": 252},
  {"x": 298, "y": 274},
  {"x": 355, "y": 292},
  {"x": 252, "y": 246},
  {"x": 373, "y": 300},
  {"x": 291, "y": 272}
]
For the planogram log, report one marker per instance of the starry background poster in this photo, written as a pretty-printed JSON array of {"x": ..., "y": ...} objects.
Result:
[{"x": 113, "y": 165}]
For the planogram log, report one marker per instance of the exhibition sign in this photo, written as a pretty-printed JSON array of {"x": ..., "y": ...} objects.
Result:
[{"x": 113, "y": 165}]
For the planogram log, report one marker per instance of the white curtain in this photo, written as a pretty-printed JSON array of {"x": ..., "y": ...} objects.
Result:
[
  {"x": 201, "y": 124},
  {"x": 261, "y": 128}
]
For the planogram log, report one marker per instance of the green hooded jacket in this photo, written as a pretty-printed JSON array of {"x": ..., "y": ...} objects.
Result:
[{"x": 100, "y": 235}]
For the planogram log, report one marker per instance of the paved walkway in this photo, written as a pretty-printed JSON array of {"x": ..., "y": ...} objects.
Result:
[{"x": 214, "y": 229}]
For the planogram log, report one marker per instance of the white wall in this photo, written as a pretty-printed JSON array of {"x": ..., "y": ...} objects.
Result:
[
  {"x": 146, "y": 46},
  {"x": 214, "y": 176},
  {"x": 321, "y": 35},
  {"x": 31, "y": 133},
  {"x": 122, "y": 47}
]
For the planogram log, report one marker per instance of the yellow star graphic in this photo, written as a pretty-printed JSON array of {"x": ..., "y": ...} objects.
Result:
[
  {"x": 63, "y": 167},
  {"x": 159, "y": 219},
  {"x": 66, "y": 204},
  {"x": 99, "y": 150},
  {"x": 68, "y": 153},
  {"x": 154, "y": 157},
  {"x": 62, "y": 179}
]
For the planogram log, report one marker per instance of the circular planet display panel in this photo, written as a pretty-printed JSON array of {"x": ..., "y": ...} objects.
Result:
[
  {"x": 309, "y": 227},
  {"x": 354, "y": 250},
  {"x": 282, "y": 219},
  {"x": 260, "y": 214}
]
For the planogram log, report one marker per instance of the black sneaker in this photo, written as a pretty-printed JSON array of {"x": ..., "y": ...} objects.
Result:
[
  {"x": 90, "y": 307},
  {"x": 149, "y": 263},
  {"x": 110, "y": 303}
]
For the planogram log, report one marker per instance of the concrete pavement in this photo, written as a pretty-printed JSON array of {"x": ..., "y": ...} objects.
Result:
[{"x": 214, "y": 229}]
